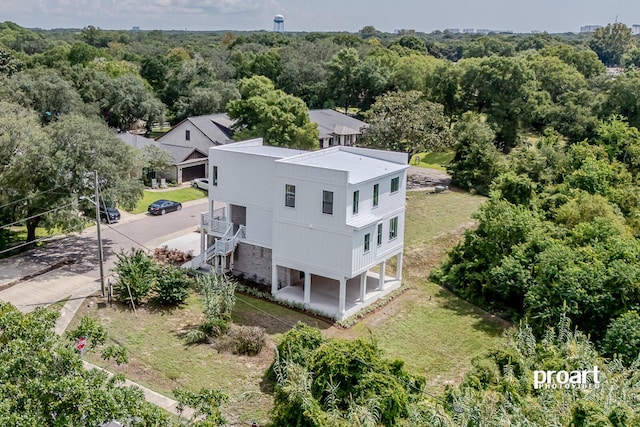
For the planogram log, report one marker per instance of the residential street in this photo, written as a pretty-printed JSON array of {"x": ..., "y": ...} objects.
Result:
[{"x": 80, "y": 276}]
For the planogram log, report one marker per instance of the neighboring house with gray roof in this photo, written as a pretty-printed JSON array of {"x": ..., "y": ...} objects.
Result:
[
  {"x": 336, "y": 128},
  {"x": 189, "y": 141}
]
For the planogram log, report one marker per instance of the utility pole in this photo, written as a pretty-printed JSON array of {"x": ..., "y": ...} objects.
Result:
[{"x": 100, "y": 255}]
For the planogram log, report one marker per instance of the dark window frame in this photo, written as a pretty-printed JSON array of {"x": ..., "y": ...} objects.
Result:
[
  {"x": 356, "y": 201},
  {"x": 395, "y": 184},
  {"x": 327, "y": 205},
  {"x": 290, "y": 195},
  {"x": 393, "y": 228},
  {"x": 376, "y": 194}
]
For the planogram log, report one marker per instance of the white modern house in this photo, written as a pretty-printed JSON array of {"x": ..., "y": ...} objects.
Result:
[{"x": 312, "y": 225}]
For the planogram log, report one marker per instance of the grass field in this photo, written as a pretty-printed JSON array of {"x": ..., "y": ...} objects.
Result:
[
  {"x": 432, "y": 160},
  {"x": 179, "y": 195},
  {"x": 433, "y": 331}
]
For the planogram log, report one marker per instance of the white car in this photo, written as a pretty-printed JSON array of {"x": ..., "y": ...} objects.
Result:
[{"x": 201, "y": 183}]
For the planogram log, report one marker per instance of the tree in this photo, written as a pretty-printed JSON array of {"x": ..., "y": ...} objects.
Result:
[
  {"x": 9, "y": 64},
  {"x": 351, "y": 384},
  {"x": 51, "y": 167},
  {"x": 623, "y": 338},
  {"x": 158, "y": 160},
  {"x": 405, "y": 121},
  {"x": 270, "y": 113},
  {"x": 45, "y": 92},
  {"x": 44, "y": 382},
  {"x": 501, "y": 88},
  {"x": 610, "y": 43},
  {"x": 343, "y": 69},
  {"x": 127, "y": 100}
]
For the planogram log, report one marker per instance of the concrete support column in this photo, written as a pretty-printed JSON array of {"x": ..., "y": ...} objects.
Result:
[
  {"x": 343, "y": 296},
  {"x": 363, "y": 286},
  {"x": 399, "y": 267},
  {"x": 383, "y": 266},
  {"x": 274, "y": 279},
  {"x": 307, "y": 288}
]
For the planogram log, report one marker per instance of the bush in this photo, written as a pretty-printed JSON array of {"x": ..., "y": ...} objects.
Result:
[
  {"x": 215, "y": 328},
  {"x": 247, "y": 340},
  {"x": 623, "y": 337},
  {"x": 136, "y": 276},
  {"x": 172, "y": 285}
]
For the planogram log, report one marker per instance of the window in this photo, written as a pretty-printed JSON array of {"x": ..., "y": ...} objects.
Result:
[
  {"x": 367, "y": 240},
  {"x": 187, "y": 135},
  {"x": 379, "y": 234},
  {"x": 290, "y": 196},
  {"x": 395, "y": 184},
  {"x": 327, "y": 202},
  {"x": 356, "y": 200},
  {"x": 214, "y": 178},
  {"x": 393, "y": 228},
  {"x": 376, "y": 190}
]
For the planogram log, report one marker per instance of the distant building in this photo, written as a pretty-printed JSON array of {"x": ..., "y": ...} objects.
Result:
[
  {"x": 483, "y": 31},
  {"x": 635, "y": 29},
  {"x": 469, "y": 30},
  {"x": 278, "y": 24},
  {"x": 135, "y": 29},
  {"x": 589, "y": 28},
  {"x": 452, "y": 30}
]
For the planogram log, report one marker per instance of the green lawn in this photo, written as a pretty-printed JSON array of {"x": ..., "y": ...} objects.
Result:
[
  {"x": 432, "y": 160},
  {"x": 433, "y": 331},
  {"x": 179, "y": 195}
]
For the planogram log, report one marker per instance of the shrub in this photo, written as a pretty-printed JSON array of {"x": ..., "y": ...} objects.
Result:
[
  {"x": 195, "y": 336},
  {"x": 623, "y": 337},
  {"x": 247, "y": 340},
  {"x": 172, "y": 285},
  {"x": 136, "y": 276},
  {"x": 215, "y": 328}
]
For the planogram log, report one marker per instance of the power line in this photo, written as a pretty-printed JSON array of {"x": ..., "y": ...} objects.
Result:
[
  {"x": 29, "y": 197},
  {"x": 37, "y": 215},
  {"x": 133, "y": 240}
]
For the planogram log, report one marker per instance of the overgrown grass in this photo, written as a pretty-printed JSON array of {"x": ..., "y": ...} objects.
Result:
[
  {"x": 432, "y": 160},
  {"x": 179, "y": 195},
  {"x": 433, "y": 331},
  {"x": 161, "y": 360}
]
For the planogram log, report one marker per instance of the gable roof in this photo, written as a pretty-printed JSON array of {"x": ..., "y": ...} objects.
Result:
[
  {"x": 332, "y": 122},
  {"x": 212, "y": 126}
]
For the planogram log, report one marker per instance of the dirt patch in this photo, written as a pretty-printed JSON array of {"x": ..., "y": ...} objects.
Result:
[{"x": 424, "y": 178}]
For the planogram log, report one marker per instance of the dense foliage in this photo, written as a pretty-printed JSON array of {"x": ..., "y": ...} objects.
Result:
[
  {"x": 43, "y": 381},
  {"x": 558, "y": 235},
  {"x": 140, "y": 278}
]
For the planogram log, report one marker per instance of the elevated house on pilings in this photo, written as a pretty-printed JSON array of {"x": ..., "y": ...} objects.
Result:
[{"x": 311, "y": 225}]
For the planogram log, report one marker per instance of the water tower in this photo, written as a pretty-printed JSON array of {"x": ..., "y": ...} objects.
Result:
[{"x": 278, "y": 24}]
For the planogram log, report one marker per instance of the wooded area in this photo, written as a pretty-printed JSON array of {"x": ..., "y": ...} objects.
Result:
[{"x": 538, "y": 123}]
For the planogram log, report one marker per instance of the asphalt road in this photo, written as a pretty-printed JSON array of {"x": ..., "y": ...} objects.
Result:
[{"x": 134, "y": 231}]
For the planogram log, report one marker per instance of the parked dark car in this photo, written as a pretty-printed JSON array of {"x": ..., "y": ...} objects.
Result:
[
  {"x": 162, "y": 206},
  {"x": 110, "y": 215}
]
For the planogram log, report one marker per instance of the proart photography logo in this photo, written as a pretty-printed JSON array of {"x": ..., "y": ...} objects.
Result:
[{"x": 587, "y": 379}]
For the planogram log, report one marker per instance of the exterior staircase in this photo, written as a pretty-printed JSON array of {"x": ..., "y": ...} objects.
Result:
[{"x": 223, "y": 245}]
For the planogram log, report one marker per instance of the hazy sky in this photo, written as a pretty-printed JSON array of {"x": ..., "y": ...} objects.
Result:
[{"x": 321, "y": 15}]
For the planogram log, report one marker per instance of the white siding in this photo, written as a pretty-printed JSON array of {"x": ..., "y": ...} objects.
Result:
[
  {"x": 246, "y": 180},
  {"x": 176, "y": 136},
  {"x": 304, "y": 234}
]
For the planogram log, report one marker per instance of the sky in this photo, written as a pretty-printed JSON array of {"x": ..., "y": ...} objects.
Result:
[{"x": 554, "y": 16}]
